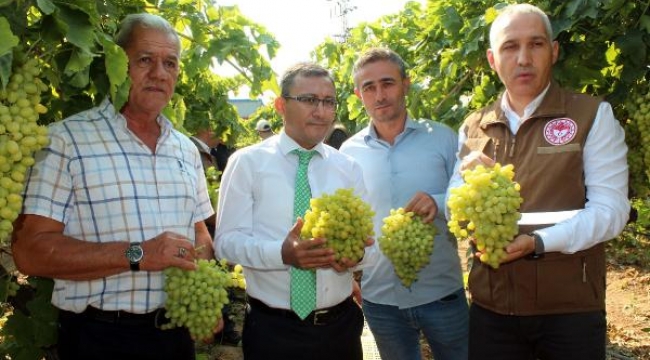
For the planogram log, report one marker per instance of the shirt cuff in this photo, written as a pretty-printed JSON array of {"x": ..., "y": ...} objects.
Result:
[
  {"x": 552, "y": 239},
  {"x": 441, "y": 204},
  {"x": 272, "y": 254}
]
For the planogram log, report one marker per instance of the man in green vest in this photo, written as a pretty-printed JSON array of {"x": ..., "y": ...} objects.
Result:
[{"x": 547, "y": 298}]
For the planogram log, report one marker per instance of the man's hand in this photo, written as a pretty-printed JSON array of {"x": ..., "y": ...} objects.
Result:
[
  {"x": 423, "y": 205},
  {"x": 521, "y": 246},
  {"x": 168, "y": 249},
  {"x": 475, "y": 158},
  {"x": 305, "y": 254},
  {"x": 344, "y": 264},
  {"x": 216, "y": 329}
]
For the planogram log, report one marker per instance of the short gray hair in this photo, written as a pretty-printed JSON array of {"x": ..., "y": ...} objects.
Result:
[
  {"x": 379, "y": 54},
  {"x": 515, "y": 9},
  {"x": 147, "y": 21},
  {"x": 304, "y": 69}
]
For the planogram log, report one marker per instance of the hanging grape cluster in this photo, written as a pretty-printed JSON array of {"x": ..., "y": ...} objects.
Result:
[
  {"x": 407, "y": 242},
  {"x": 344, "y": 219},
  {"x": 195, "y": 298},
  {"x": 237, "y": 276},
  {"x": 20, "y": 137},
  {"x": 486, "y": 208}
]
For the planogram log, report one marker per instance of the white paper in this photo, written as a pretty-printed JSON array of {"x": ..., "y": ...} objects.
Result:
[{"x": 546, "y": 218}]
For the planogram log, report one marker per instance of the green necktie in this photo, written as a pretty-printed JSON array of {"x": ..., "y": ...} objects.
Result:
[{"x": 303, "y": 282}]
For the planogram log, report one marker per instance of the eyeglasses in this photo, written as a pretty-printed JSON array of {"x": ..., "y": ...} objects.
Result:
[{"x": 328, "y": 103}]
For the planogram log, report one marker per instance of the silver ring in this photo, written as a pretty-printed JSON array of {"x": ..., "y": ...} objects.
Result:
[{"x": 181, "y": 252}]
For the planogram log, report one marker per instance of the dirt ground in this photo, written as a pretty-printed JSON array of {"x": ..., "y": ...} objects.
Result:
[
  {"x": 628, "y": 312},
  {"x": 628, "y": 317}
]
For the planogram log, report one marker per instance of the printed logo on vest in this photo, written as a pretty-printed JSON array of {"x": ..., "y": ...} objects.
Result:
[{"x": 560, "y": 131}]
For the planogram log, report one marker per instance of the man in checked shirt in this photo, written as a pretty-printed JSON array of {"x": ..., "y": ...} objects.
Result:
[{"x": 117, "y": 197}]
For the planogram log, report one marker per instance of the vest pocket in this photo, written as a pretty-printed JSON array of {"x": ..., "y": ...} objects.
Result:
[
  {"x": 558, "y": 149},
  {"x": 480, "y": 283},
  {"x": 567, "y": 284},
  {"x": 475, "y": 144}
]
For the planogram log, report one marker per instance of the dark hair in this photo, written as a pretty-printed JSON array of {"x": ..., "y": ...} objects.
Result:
[
  {"x": 304, "y": 69},
  {"x": 147, "y": 21},
  {"x": 380, "y": 54},
  {"x": 337, "y": 136}
]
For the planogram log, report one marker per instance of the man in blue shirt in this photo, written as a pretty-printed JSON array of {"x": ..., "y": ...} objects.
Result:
[{"x": 408, "y": 163}]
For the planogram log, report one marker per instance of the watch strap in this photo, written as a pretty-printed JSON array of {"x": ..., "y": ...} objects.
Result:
[
  {"x": 135, "y": 266},
  {"x": 539, "y": 245}
]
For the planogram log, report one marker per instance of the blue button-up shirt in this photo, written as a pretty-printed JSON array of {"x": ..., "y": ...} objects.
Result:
[{"x": 421, "y": 159}]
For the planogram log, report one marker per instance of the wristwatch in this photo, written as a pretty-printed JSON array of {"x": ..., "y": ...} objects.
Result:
[
  {"x": 134, "y": 254},
  {"x": 539, "y": 246}
]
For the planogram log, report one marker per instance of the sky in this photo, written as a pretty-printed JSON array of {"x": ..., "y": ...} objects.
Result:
[{"x": 300, "y": 25}]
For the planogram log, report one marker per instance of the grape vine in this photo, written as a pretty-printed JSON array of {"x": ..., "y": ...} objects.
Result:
[
  {"x": 444, "y": 43},
  {"x": 20, "y": 136}
]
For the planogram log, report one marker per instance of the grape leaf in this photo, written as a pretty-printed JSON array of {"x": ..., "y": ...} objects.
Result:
[
  {"x": 4, "y": 288},
  {"x": 19, "y": 326},
  {"x": 5, "y": 69},
  {"x": 644, "y": 22},
  {"x": 46, "y": 6},
  {"x": 77, "y": 28},
  {"x": 9, "y": 40},
  {"x": 80, "y": 78},
  {"x": 116, "y": 63},
  {"x": 79, "y": 60}
]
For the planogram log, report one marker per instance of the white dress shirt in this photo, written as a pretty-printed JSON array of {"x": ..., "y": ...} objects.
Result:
[
  {"x": 255, "y": 214},
  {"x": 606, "y": 178}
]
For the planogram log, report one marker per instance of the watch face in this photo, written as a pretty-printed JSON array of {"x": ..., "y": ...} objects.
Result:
[{"x": 134, "y": 253}]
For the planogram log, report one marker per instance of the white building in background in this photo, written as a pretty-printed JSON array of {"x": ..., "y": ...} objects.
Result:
[{"x": 246, "y": 107}]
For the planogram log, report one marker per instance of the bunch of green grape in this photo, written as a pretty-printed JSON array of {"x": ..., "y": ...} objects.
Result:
[
  {"x": 486, "y": 209},
  {"x": 237, "y": 276},
  {"x": 342, "y": 218},
  {"x": 20, "y": 137},
  {"x": 407, "y": 242},
  {"x": 637, "y": 137},
  {"x": 195, "y": 298}
]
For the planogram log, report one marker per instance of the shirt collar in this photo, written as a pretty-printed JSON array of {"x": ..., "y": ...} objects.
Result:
[
  {"x": 287, "y": 145},
  {"x": 203, "y": 147},
  {"x": 409, "y": 126},
  {"x": 528, "y": 110},
  {"x": 108, "y": 108}
]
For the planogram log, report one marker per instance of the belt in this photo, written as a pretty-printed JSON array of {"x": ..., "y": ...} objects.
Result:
[
  {"x": 316, "y": 317},
  {"x": 155, "y": 318}
]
